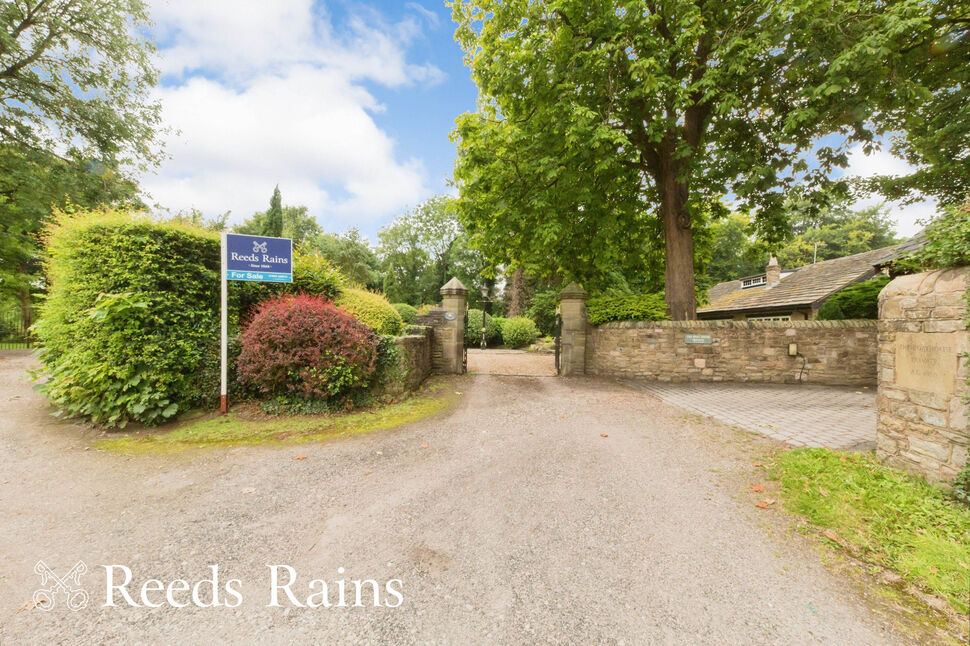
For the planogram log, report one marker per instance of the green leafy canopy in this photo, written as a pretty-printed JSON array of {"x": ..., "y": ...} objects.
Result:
[{"x": 606, "y": 131}]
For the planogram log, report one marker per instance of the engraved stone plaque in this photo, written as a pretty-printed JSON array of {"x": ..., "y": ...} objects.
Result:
[
  {"x": 928, "y": 361},
  {"x": 698, "y": 339}
]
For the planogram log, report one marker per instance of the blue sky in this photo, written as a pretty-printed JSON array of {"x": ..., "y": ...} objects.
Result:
[{"x": 346, "y": 105}]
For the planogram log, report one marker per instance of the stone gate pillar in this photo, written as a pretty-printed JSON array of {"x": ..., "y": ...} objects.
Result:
[
  {"x": 452, "y": 331},
  {"x": 572, "y": 343}
]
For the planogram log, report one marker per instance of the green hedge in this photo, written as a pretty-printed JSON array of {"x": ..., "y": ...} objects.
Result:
[
  {"x": 130, "y": 328},
  {"x": 519, "y": 331},
  {"x": 372, "y": 309},
  {"x": 408, "y": 312},
  {"x": 858, "y": 301},
  {"x": 473, "y": 329},
  {"x": 626, "y": 307}
]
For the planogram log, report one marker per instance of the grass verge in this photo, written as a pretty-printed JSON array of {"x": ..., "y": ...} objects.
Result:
[
  {"x": 884, "y": 516},
  {"x": 231, "y": 430}
]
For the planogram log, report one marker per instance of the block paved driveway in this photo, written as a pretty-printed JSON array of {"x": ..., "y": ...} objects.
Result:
[{"x": 800, "y": 415}]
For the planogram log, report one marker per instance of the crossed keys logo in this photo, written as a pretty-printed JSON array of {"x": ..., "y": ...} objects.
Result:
[
  {"x": 70, "y": 585},
  {"x": 259, "y": 247}
]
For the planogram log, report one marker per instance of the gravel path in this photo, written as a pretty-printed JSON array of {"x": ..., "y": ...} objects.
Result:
[
  {"x": 511, "y": 362},
  {"x": 508, "y": 521}
]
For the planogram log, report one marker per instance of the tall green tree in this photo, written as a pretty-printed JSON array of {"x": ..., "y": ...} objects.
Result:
[
  {"x": 836, "y": 233},
  {"x": 79, "y": 74},
  {"x": 352, "y": 255},
  {"x": 933, "y": 132},
  {"x": 605, "y": 127},
  {"x": 32, "y": 184},
  {"x": 273, "y": 220},
  {"x": 298, "y": 224},
  {"x": 76, "y": 117},
  {"x": 423, "y": 248},
  {"x": 832, "y": 233},
  {"x": 735, "y": 252}
]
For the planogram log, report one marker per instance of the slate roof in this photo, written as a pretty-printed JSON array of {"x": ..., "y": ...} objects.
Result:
[{"x": 805, "y": 287}]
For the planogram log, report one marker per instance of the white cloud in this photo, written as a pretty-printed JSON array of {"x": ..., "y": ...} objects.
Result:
[
  {"x": 427, "y": 14},
  {"x": 881, "y": 162},
  {"x": 260, "y": 93}
]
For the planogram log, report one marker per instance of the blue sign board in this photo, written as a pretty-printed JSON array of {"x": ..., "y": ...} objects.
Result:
[{"x": 259, "y": 258}]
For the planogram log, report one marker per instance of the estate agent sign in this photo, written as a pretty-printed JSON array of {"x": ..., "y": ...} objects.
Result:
[
  {"x": 249, "y": 258},
  {"x": 258, "y": 258}
]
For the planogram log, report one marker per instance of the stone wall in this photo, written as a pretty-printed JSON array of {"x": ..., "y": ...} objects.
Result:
[
  {"x": 414, "y": 362},
  {"x": 828, "y": 352},
  {"x": 922, "y": 421},
  {"x": 434, "y": 320}
]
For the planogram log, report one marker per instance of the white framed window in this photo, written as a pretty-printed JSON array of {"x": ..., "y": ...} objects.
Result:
[{"x": 754, "y": 281}]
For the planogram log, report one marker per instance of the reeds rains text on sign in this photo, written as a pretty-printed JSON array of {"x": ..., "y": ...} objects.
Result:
[{"x": 259, "y": 258}]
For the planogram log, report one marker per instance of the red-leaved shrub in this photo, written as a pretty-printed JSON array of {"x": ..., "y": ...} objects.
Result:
[{"x": 301, "y": 345}]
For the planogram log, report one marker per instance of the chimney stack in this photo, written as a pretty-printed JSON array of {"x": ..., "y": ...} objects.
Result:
[{"x": 772, "y": 273}]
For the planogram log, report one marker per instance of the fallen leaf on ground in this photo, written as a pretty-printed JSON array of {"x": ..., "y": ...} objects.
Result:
[
  {"x": 27, "y": 605},
  {"x": 756, "y": 464},
  {"x": 368, "y": 473},
  {"x": 603, "y": 435},
  {"x": 824, "y": 492},
  {"x": 249, "y": 490},
  {"x": 764, "y": 504},
  {"x": 757, "y": 488},
  {"x": 424, "y": 446},
  {"x": 843, "y": 459},
  {"x": 300, "y": 457},
  {"x": 832, "y": 536}
]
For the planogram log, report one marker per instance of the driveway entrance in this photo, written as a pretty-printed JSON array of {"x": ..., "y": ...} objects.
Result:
[{"x": 511, "y": 362}]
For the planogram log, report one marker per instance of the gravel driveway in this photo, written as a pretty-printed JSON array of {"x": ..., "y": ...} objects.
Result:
[{"x": 508, "y": 521}]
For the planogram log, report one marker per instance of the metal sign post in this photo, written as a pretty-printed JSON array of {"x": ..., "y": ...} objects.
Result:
[
  {"x": 253, "y": 259},
  {"x": 224, "y": 331}
]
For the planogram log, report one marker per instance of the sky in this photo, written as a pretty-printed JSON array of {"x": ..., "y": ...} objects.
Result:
[{"x": 347, "y": 106}]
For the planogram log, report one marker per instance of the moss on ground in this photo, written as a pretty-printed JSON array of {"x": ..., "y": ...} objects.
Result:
[{"x": 232, "y": 430}]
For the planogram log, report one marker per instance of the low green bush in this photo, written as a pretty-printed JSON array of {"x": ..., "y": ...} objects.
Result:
[
  {"x": 372, "y": 309},
  {"x": 542, "y": 310},
  {"x": 857, "y": 301},
  {"x": 626, "y": 307},
  {"x": 473, "y": 329},
  {"x": 519, "y": 331},
  {"x": 130, "y": 327},
  {"x": 408, "y": 312}
]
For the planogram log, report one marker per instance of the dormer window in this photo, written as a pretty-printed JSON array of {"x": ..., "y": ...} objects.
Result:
[{"x": 754, "y": 281}]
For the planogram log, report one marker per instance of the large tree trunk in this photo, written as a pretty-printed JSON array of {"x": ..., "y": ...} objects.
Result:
[
  {"x": 26, "y": 312},
  {"x": 679, "y": 242},
  {"x": 515, "y": 304}
]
